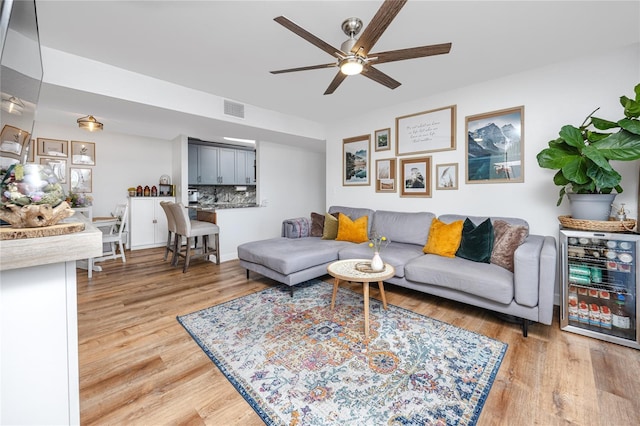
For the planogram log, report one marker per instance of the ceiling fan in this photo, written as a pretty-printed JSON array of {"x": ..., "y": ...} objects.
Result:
[{"x": 353, "y": 57}]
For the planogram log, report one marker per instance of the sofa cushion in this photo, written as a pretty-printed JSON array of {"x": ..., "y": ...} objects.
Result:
[
  {"x": 298, "y": 227},
  {"x": 444, "y": 238},
  {"x": 507, "y": 238},
  {"x": 395, "y": 254},
  {"x": 354, "y": 231},
  {"x": 286, "y": 255},
  {"x": 354, "y": 213},
  {"x": 477, "y": 241},
  {"x": 480, "y": 279},
  {"x": 330, "y": 229},
  {"x": 317, "y": 224},
  {"x": 400, "y": 227}
]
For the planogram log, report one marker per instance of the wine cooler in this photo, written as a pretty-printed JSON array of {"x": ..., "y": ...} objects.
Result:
[{"x": 599, "y": 285}]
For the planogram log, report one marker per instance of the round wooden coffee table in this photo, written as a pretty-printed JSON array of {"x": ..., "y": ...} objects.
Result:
[{"x": 346, "y": 270}]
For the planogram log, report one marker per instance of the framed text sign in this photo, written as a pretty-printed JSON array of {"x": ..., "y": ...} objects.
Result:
[{"x": 426, "y": 131}]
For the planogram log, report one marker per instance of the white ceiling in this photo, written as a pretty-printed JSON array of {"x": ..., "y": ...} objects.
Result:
[{"x": 227, "y": 48}]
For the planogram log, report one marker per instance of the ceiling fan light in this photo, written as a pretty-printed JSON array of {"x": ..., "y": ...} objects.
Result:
[
  {"x": 13, "y": 105},
  {"x": 351, "y": 66},
  {"x": 90, "y": 123}
]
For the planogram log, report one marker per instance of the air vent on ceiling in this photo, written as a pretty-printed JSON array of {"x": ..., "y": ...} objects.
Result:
[{"x": 234, "y": 109}]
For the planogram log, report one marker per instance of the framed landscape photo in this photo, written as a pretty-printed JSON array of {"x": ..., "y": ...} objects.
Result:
[
  {"x": 426, "y": 131},
  {"x": 31, "y": 151},
  {"x": 80, "y": 179},
  {"x": 83, "y": 153},
  {"x": 355, "y": 160},
  {"x": 58, "y": 166},
  {"x": 386, "y": 175},
  {"x": 53, "y": 148},
  {"x": 495, "y": 146},
  {"x": 383, "y": 139},
  {"x": 447, "y": 176},
  {"x": 416, "y": 177}
]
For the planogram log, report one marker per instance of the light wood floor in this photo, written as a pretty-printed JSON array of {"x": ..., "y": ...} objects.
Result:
[{"x": 138, "y": 366}]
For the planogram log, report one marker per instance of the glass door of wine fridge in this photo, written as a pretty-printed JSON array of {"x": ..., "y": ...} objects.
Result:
[{"x": 599, "y": 285}]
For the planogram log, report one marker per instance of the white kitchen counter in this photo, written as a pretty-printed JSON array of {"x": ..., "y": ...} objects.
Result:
[{"x": 39, "y": 326}]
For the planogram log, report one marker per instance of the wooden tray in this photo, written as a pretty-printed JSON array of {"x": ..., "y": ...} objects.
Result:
[
  {"x": 598, "y": 225},
  {"x": 9, "y": 233}
]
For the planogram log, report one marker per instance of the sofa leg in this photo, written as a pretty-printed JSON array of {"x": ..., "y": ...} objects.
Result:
[
  {"x": 291, "y": 290},
  {"x": 247, "y": 274},
  {"x": 525, "y": 327}
]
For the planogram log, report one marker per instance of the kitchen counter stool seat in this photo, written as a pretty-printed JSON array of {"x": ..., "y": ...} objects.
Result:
[{"x": 191, "y": 230}]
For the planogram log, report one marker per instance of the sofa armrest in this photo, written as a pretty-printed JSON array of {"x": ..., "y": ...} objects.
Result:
[
  {"x": 534, "y": 275},
  {"x": 298, "y": 227},
  {"x": 548, "y": 279}
]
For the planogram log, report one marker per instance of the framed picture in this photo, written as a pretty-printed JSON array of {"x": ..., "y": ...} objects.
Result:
[
  {"x": 495, "y": 146},
  {"x": 58, "y": 166},
  {"x": 416, "y": 177},
  {"x": 83, "y": 153},
  {"x": 447, "y": 176},
  {"x": 355, "y": 160},
  {"x": 383, "y": 139},
  {"x": 386, "y": 175},
  {"x": 53, "y": 147},
  {"x": 427, "y": 131},
  {"x": 80, "y": 180},
  {"x": 12, "y": 141}
]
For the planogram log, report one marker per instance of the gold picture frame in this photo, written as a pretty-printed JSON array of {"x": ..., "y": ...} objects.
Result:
[
  {"x": 501, "y": 131},
  {"x": 356, "y": 157},
  {"x": 80, "y": 180},
  {"x": 447, "y": 176},
  {"x": 386, "y": 175},
  {"x": 53, "y": 148},
  {"x": 83, "y": 153},
  {"x": 382, "y": 139},
  {"x": 13, "y": 142},
  {"x": 58, "y": 166},
  {"x": 426, "y": 131},
  {"x": 416, "y": 177}
]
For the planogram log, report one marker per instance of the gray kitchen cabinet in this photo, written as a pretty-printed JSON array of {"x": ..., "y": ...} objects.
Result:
[
  {"x": 245, "y": 164},
  {"x": 214, "y": 165}
]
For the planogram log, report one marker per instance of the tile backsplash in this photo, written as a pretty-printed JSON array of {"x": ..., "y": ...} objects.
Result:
[{"x": 226, "y": 194}]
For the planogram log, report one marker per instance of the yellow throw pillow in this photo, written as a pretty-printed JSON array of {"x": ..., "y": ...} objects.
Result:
[
  {"x": 354, "y": 231},
  {"x": 444, "y": 238}
]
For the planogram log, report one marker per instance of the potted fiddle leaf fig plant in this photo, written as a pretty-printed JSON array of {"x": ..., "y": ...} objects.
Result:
[{"x": 581, "y": 157}]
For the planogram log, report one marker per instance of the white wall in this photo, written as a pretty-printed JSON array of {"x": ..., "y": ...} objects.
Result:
[
  {"x": 552, "y": 97},
  {"x": 121, "y": 161}
]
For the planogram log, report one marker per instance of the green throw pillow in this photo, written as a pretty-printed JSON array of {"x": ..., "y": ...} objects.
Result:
[
  {"x": 477, "y": 241},
  {"x": 330, "y": 231}
]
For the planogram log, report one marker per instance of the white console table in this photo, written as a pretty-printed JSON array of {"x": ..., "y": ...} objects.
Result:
[{"x": 39, "y": 377}]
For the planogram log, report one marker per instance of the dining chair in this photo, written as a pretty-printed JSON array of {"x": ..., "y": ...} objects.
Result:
[
  {"x": 171, "y": 225},
  {"x": 191, "y": 230},
  {"x": 115, "y": 234}
]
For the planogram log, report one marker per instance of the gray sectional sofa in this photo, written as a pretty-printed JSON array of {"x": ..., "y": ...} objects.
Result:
[{"x": 525, "y": 294}]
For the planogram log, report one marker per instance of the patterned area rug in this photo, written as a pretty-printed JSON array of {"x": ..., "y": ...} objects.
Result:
[{"x": 297, "y": 362}]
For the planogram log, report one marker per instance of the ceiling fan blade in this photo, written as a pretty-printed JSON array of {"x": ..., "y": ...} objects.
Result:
[
  {"x": 377, "y": 26},
  {"x": 311, "y": 67},
  {"x": 337, "y": 80},
  {"x": 410, "y": 53},
  {"x": 292, "y": 26},
  {"x": 380, "y": 77}
]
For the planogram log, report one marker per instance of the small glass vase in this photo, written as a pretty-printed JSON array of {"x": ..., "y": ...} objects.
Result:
[{"x": 377, "y": 264}]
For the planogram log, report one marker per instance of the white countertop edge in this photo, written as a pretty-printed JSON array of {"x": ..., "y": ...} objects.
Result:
[{"x": 27, "y": 252}]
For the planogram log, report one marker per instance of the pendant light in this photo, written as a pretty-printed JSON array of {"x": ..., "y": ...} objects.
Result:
[
  {"x": 90, "y": 123},
  {"x": 13, "y": 105}
]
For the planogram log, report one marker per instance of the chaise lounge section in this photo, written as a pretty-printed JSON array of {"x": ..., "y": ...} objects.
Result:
[{"x": 523, "y": 289}]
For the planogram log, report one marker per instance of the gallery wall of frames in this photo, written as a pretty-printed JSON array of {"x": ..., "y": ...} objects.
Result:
[
  {"x": 493, "y": 143},
  {"x": 71, "y": 161}
]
